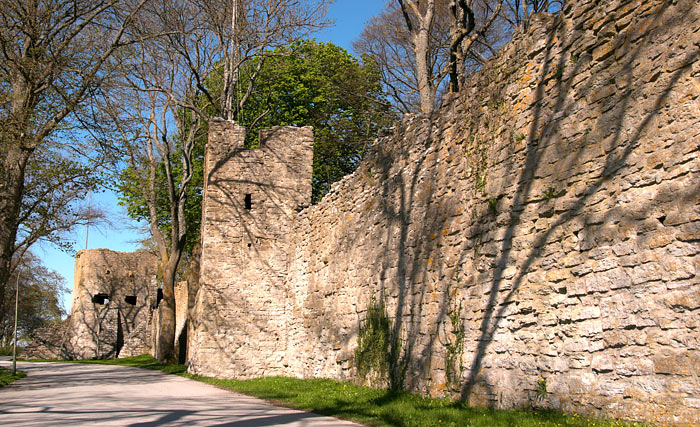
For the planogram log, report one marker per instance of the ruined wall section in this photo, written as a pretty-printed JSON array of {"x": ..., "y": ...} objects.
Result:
[
  {"x": 50, "y": 342},
  {"x": 116, "y": 328},
  {"x": 554, "y": 206},
  {"x": 251, "y": 199}
]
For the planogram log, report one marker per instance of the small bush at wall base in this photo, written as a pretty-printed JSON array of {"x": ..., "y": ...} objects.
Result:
[
  {"x": 455, "y": 334},
  {"x": 541, "y": 389},
  {"x": 454, "y": 366},
  {"x": 377, "y": 348},
  {"x": 6, "y": 376}
]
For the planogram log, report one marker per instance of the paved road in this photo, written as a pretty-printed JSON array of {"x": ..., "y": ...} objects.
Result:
[{"x": 76, "y": 394}]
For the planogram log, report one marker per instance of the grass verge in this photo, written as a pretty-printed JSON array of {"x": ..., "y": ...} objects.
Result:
[
  {"x": 374, "y": 407},
  {"x": 6, "y": 376}
]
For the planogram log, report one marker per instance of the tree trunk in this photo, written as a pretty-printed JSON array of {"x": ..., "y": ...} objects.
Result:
[
  {"x": 421, "y": 48},
  {"x": 425, "y": 81},
  {"x": 231, "y": 66},
  {"x": 11, "y": 191},
  {"x": 525, "y": 14},
  {"x": 165, "y": 346}
]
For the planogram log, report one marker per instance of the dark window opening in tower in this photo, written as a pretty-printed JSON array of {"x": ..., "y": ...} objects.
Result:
[{"x": 101, "y": 299}]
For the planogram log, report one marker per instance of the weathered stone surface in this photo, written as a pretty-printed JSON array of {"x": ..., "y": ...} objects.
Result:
[
  {"x": 117, "y": 328},
  {"x": 585, "y": 131},
  {"x": 252, "y": 197},
  {"x": 51, "y": 342}
]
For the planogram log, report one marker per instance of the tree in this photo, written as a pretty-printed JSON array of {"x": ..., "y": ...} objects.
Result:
[
  {"x": 422, "y": 45},
  {"x": 257, "y": 26},
  {"x": 54, "y": 189},
  {"x": 53, "y": 56},
  {"x": 320, "y": 85},
  {"x": 40, "y": 299},
  {"x": 156, "y": 114},
  {"x": 165, "y": 104},
  {"x": 55, "y": 184},
  {"x": 419, "y": 18},
  {"x": 462, "y": 35},
  {"x": 241, "y": 32}
]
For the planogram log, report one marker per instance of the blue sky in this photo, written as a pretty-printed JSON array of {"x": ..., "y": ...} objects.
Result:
[{"x": 350, "y": 17}]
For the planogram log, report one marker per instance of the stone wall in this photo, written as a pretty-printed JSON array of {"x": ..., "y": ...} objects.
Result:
[
  {"x": 182, "y": 307},
  {"x": 252, "y": 197},
  {"x": 552, "y": 209},
  {"x": 117, "y": 328},
  {"x": 50, "y": 342}
]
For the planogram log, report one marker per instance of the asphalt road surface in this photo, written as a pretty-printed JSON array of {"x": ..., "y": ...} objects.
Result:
[{"x": 79, "y": 394}]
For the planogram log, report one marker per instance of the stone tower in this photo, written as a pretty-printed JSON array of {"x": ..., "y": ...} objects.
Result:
[
  {"x": 251, "y": 197},
  {"x": 113, "y": 294}
]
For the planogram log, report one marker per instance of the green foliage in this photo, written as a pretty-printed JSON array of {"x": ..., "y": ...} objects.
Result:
[
  {"x": 377, "y": 348},
  {"x": 373, "y": 407},
  {"x": 307, "y": 84},
  {"x": 493, "y": 205},
  {"x": 454, "y": 348},
  {"x": 40, "y": 299},
  {"x": 6, "y": 350},
  {"x": 145, "y": 361},
  {"x": 541, "y": 389},
  {"x": 54, "y": 185},
  {"x": 516, "y": 138},
  {"x": 549, "y": 193},
  {"x": 480, "y": 165},
  {"x": 129, "y": 186},
  {"x": 6, "y": 376},
  {"x": 496, "y": 100},
  {"x": 477, "y": 156},
  {"x": 455, "y": 337},
  {"x": 321, "y": 85}
]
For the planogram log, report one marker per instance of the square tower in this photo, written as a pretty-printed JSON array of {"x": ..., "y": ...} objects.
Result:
[
  {"x": 113, "y": 295},
  {"x": 251, "y": 198}
]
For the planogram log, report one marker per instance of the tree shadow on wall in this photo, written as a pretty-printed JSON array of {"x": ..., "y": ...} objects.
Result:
[
  {"x": 412, "y": 236},
  {"x": 613, "y": 133},
  {"x": 252, "y": 187},
  {"x": 426, "y": 223},
  {"x": 408, "y": 272}
]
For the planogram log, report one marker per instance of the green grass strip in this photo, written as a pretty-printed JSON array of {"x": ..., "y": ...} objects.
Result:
[
  {"x": 374, "y": 407},
  {"x": 6, "y": 376}
]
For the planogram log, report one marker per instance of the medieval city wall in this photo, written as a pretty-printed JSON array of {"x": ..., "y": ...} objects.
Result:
[{"x": 542, "y": 225}]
